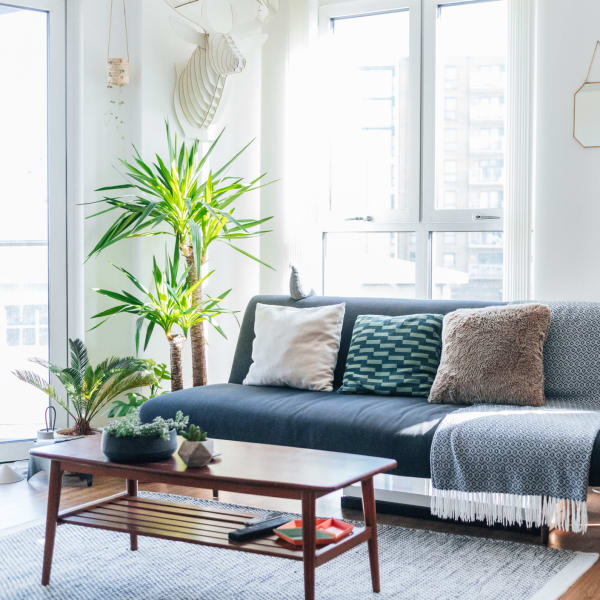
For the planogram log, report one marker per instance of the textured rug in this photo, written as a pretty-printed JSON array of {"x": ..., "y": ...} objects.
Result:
[{"x": 91, "y": 564}]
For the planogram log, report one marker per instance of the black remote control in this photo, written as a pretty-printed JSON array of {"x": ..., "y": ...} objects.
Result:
[{"x": 258, "y": 530}]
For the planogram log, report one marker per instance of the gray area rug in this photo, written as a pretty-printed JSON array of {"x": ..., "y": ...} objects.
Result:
[{"x": 90, "y": 564}]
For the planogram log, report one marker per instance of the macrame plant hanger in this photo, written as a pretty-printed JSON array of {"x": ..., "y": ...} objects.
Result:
[{"x": 118, "y": 68}]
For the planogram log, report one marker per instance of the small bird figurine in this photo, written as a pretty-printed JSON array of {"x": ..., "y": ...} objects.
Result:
[{"x": 297, "y": 290}]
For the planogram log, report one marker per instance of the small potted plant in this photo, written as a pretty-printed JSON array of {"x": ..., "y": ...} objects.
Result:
[
  {"x": 89, "y": 389},
  {"x": 130, "y": 440},
  {"x": 197, "y": 450}
]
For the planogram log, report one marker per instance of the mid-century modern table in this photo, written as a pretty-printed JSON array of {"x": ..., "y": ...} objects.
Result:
[{"x": 261, "y": 469}]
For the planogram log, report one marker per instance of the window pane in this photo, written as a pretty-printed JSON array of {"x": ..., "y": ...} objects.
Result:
[
  {"x": 467, "y": 266},
  {"x": 470, "y": 90},
  {"x": 23, "y": 335},
  {"x": 369, "y": 120},
  {"x": 23, "y": 116},
  {"x": 370, "y": 264}
]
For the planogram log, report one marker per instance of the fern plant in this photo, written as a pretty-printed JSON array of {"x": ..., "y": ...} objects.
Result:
[
  {"x": 89, "y": 389},
  {"x": 122, "y": 408}
]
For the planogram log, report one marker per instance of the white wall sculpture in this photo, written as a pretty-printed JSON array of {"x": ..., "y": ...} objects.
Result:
[{"x": 224, "y": 33}]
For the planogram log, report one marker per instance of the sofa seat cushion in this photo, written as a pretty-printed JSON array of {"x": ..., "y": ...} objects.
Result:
[{"x": 391, "y": 427}]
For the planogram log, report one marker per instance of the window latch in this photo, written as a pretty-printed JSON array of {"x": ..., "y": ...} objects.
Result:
[
  {"x": 367, "y": 218},
  {"x": 485, "y": 218}
]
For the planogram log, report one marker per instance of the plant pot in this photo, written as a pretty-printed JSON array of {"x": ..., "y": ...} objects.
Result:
[
  {"x": 139, "y": 449},
  {"x": 196, "y": 454}
]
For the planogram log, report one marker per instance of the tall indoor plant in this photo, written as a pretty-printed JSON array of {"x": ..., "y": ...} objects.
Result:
[
  {"x": 89, "y": 389},
  {"x": 174, "y": 197},
  {"x": 170, "y": 306}
]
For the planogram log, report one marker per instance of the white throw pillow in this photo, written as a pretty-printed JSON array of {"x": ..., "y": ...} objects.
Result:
[{"x": 296, "y": 347}]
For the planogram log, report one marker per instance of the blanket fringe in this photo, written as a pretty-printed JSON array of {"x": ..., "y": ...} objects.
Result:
[{"x": 510, "y": 509}]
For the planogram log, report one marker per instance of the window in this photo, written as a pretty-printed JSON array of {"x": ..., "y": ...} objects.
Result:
[
  {"x": 450, "y": 105},
  {"x": 451, "y": 76},
  {"x": 449, "y": 199},
  {"x": 457, "y": 92},
  {"x": 451, "y": 140},
  {"x": 369, "y": 126},
  {"x": 449, "y": 259},
  {"x": 473, "y": 270},
  {"x": 450, "y": 170},
  {"x": 32, "y": 232},
  {"x": 370, "y": 264}
]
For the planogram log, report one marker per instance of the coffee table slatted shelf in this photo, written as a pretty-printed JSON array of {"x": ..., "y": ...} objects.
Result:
[{"x": 188, "y": 523}]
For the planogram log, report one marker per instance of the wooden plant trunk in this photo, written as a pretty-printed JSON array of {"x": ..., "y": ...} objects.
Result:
[
  {"x": 176, "y": 345},
  {"x": 82, "y": 427},
  {"x": 197, "y": 331}
]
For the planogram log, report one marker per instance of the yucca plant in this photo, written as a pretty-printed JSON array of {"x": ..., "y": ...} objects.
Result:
[
  {"x": 170, "y": 306},
  {"x": 89, "y": 389},
  {"x": 173, "y": 196}
]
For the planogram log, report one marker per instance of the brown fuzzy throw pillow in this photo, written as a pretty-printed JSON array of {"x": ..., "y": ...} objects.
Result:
[{"x": 493, "y": 356}]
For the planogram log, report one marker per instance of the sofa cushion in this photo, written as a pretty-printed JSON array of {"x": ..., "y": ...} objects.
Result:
[
  {"x": 354, "y": 307},
  {"x": 393, "y": 355},
  {"x": 296, "y": 347},
  {"x": 390, "y": 427},
  {"x": 493, "y": 355}
]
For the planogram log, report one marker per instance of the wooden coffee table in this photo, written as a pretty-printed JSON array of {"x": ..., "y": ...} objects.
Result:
[{"x": 261, "y": 469}]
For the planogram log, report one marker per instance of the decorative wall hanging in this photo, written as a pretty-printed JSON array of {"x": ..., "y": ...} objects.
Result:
[
  {"x": 224, "y": 33},
  {"x": 586, "y": 109},
  {"x": 200, "y": 83},
  {"x": 118, "y": 68}
]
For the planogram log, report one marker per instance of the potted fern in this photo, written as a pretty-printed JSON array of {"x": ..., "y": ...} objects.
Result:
[{"x": 89, "y": 389}]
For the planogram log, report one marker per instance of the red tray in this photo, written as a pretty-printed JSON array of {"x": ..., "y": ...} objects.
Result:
[{"x": 328, "y": 531}]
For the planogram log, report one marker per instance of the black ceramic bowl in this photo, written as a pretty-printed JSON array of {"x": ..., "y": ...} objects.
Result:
[{"x": 145, "y": 449}]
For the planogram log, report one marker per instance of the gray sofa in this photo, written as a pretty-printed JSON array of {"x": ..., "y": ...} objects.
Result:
[{"x": 389, "y": 426}]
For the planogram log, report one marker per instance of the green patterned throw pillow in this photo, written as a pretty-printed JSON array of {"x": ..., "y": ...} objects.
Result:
[{"x": 393, "y": 355}]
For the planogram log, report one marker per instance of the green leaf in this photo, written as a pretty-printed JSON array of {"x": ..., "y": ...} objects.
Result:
[
  {"x": 248, "y": 255},
  {"x": 138, "y": 327}
]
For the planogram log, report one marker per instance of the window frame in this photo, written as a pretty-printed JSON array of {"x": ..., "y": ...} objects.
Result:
[
  {"x": 422, "y": 218},
  {"x": 357, "y": 8},
  {"x": 56, "y": 241}
]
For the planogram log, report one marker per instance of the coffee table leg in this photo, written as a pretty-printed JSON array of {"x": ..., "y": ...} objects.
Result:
[
  {"x": 308, "y": 543},
  {"x": 132, "y": 490},
  {"x": 54, "y": 487},
  {"x": 370, "y": 513}
]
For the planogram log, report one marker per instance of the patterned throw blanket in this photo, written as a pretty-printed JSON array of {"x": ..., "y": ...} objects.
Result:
[{"x": 515, "y": 465}]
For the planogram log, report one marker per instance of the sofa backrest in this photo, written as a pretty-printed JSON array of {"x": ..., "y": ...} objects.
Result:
[
  {"x": 354, "y": 307},
  {"x": 572, "y": 352}
]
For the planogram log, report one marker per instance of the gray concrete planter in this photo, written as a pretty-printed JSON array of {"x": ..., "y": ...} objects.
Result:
[{"x": 138, "y": 449}]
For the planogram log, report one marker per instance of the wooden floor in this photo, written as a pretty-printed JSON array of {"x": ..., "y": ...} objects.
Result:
[{"x": 24, "y": 502}]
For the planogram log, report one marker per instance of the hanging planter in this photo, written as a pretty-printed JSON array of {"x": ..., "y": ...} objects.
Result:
[{"x": 118, "y": 68}]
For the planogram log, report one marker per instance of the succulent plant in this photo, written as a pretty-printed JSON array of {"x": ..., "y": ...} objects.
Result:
[
  {"x": 194, "y": 434},
  {"x": 131, "y": 426}
]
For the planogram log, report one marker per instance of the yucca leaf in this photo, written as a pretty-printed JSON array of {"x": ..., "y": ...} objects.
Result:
[{"x": 258, "y": 260}]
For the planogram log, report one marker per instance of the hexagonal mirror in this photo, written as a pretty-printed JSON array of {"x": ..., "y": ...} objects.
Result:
[{"x": 586, "y": 115}]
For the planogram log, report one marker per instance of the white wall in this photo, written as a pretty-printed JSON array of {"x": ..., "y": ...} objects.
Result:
[
  {"x": 155, "y": 48},
  {"x": 110, "y": 124},
  {"x": 567, "y": 207}
]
